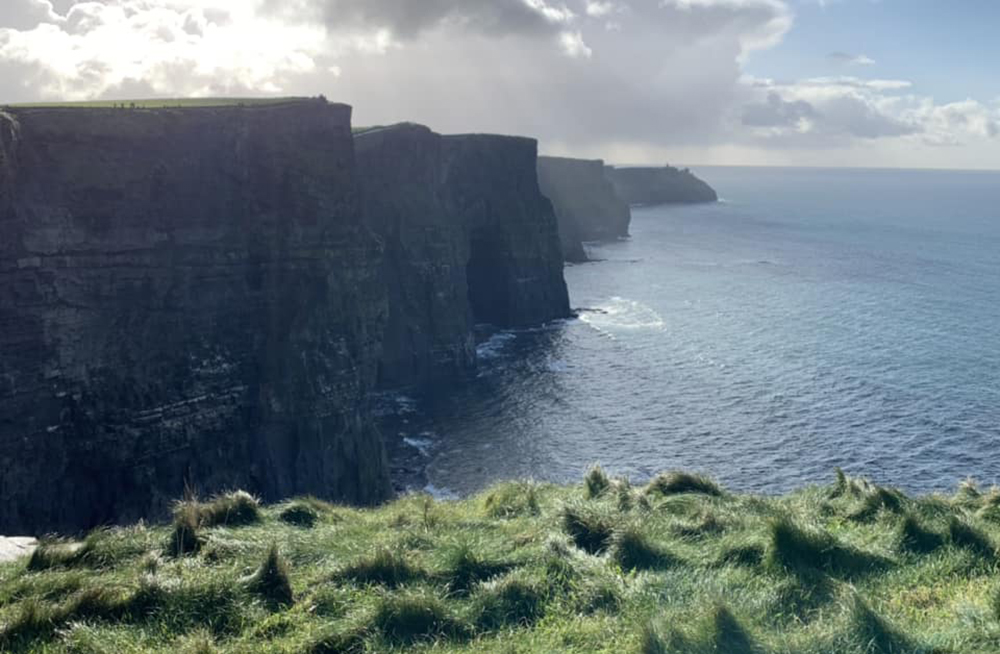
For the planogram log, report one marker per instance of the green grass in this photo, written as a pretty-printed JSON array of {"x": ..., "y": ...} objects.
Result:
[{"x": 680, "y": 567}]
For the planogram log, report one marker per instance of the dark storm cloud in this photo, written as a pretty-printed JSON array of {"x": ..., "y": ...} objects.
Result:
[{"x": 408, "y": 18}]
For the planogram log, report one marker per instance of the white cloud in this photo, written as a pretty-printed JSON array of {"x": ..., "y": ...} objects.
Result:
[
  {"x": 174, "y": 47},
  {"x": 574, "y": 45},
  {"x": 598, "y": 9},
  {"x": 667, "y": 81},
  {"x": 834, "y": 111},
  {"x": 846, "y": 59}
]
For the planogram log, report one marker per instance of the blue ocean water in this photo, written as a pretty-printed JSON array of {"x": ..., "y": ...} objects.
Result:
[{"x": 812, "y": 319}]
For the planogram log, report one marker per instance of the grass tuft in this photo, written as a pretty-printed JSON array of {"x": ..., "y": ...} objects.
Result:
[
  {"x": 236, "y": 509},
  {"x": 464, "y": 567},
  {"x": 299, "y": 514},
  {"x": 272, "y": 581},
  {"x": 748, "y": 555},
  {"x": 415, "y": 616},
  {"x": 878, "y": 500},
  {"x": 382, "y": 567},
  {"x": 624, "y": 495},
  {"x": 914, "y": 537},
  {"x": 964, "y": 535},
  {"x": 631, "y": 550},
  {"x": 596, "y": 483},
  {"x": 676, "y": 483},
  {"x": 873, "y": 633},
  {"x": 968, "y": 494},
  {"x": 799, "y": 550},
  {"x": 511, "y": 601},
  {"x": 185, "y": 537},
  {"x": 720, "y": 633},
  {"x": 590, "y": 526},
  {"x": 512, "y": 500},
  {"x": 56, "y": 554}
]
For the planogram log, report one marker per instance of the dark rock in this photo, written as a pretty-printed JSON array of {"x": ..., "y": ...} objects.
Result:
[
  {"x": 585, "y": 201},
  {"x": 666, "y": 185},
  {"x": 469, "y": 238},
  {"x": 187, "y": 296}
]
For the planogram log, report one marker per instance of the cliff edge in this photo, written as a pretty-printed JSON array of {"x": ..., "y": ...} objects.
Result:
[
  {"x": 188, "y": 297},
  {"x": 585, "y": 201},
  {"x": 654, "y": 186},
  {"x": 469, "y": 238}
]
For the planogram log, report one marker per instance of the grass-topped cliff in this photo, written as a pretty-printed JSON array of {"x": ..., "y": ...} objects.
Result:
[{"x": 677, "y": 566}]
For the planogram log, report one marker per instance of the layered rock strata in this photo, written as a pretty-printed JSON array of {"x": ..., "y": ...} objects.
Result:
[
  {"x": 188, "y": 298},
  {"x": 469, "y": 238}
]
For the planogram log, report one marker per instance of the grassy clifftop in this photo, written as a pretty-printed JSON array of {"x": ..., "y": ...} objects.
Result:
[{"x": 678, "y": 566}]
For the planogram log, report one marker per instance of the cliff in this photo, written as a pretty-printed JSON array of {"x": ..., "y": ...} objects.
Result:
[
  {"x": 187, "y": 297},
  {"x": 469, "y": 238},
  {"x": 666, "y": 185},
  {"x": 585, "y": 201}
]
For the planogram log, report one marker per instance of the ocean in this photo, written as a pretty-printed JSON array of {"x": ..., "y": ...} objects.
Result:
[{"x": 812, "y": 319}]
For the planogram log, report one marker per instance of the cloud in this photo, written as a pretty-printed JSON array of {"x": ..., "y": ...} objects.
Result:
[
  {"x": 574, "y": 45},
  {"x": 831, "y": 112},
  {"x": 846, "y": 59},
  {"x": 628, "y": 80},
  {"x": 407, "y": 19},
  {"x": 26, "y": 14},
  {"x": 776, "y": 112},
  {"x": 162, "y": 47}
]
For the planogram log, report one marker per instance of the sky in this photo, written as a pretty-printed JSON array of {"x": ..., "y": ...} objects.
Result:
[{"x": 864, "y": 83}]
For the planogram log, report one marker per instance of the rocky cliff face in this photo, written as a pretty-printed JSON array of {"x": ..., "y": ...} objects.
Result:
[
  {"x": 469, "y": 238},
  {"x": 653, "y": 186},
  {"x": 585, "y": 201},
  {"x": 186, "y": 297}
]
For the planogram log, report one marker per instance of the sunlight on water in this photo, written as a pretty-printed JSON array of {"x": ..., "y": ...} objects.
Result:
[{"x": 817, "y": 319}]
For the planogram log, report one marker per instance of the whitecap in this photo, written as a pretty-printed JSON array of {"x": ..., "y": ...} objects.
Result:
[
  {"x": 422, "y": 445},
  {"x": 622, "y": 313},
  {"x": 493, "y": 346}
]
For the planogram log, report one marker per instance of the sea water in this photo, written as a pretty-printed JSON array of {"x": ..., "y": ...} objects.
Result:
[{"x": 812, "y": 319}]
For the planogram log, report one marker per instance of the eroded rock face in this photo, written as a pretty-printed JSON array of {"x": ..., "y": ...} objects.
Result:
[
  {"x": 654, "y": 186},
  {"x": 187, "y": 297},
  {"x": 585, "y": 201},
  {"x": 469, "y": 238}
]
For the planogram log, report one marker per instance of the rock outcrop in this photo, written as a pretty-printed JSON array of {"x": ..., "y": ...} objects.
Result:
[
  {"x": 469, "y": 238},
  {"x": 187, "y": 297},
  {"x": 585, "y": 201},
  {"x": 666, "y": 185}
]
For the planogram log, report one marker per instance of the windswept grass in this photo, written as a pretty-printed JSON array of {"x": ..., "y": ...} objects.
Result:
[
  {"x": 382, "y": 567},
  {"x": 596, "y": 483},
  {"x": 271, "y": 582},
  {"x": 809, "y": 550},
  {"x": 676, "y": 483},
  {"x": 680, "y": 567}
]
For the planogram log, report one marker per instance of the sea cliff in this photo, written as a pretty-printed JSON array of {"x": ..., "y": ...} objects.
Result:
[
  {"x": 205, "y": 298},
  {"x": 187, "y": 298},
  {"x": 585, "y": 201},
  {"x": 469, "y": 238},
  {"x": 666, "y": 185}
]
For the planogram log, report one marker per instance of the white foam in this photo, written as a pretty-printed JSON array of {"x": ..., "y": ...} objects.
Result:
[
  {"x": 623, "y": 314},
  {"x": 422, "y": 445},
  {"x": 493, "y": 346}
]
